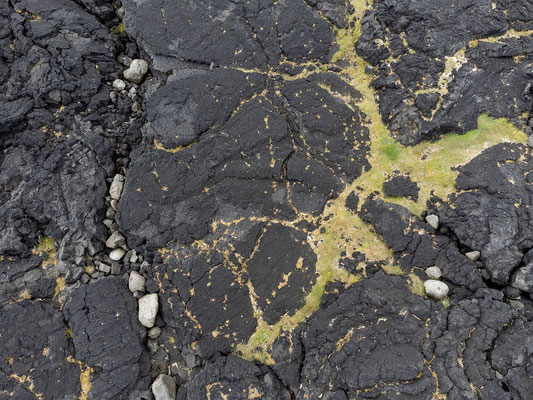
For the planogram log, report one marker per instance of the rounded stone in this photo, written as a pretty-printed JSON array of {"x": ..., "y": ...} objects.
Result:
[
  {"x": 117, "y": 254},
  {"x": 154, "y": 332},
  {"x": 119, "y": 84},
  {"x": 136, "y": 71},
  {"x": 148, "y": 306},
  {"x": 436, "y": 289},
  {"x": 433, "y": 272},
  {"x": 473, "y": 255}
]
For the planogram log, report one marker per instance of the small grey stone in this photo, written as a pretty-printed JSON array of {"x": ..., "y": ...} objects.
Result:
[
  {"x": 132, "y": 91},
  {"x": 117, "y": 254},
  {"x": 116, "y": 269},
  {"x": 517, "y": 305},
  {"x": 433, "y": 221},
  {"x": 436, "y": 289},
  {"x": 119, "y": 84},
  {"x": 136, "y": 107},
  {"x": 85, "y": 278},
  {"x": 108, "y": 222},
  {"x": 148, "y": 306},
  {"x": 433, "y": 272},
  {"x": 125, "y": 60},
  {"x": 110, "y": 213},
  {"x": 190, "y": 360},
  {"x": 133, "y": 257},
  {"x": 136, "y": 282},
  {"x": 120, "y": 12},
  {"x": 473, "y": 255},
  {"x": 485, "y": 274},
  {"x": 55, "y": 95},
  {"x": 523, "y": 278},
  {"x": 164, "y": 388},
  {"x": 136, "y": 71},
  {"x": 144, "y": 266},
  {"x": 530, "y": 141},
  {"x": 512, "y": 293},
  {"x": 114, "y": 204},
  {"x": 152, "y": 346},
  {"x": 154, "y": 332},
  {"x": 103, "y": 267},
  {"x": 116, "y": 187},
  {"x": 115, "y": 240}
]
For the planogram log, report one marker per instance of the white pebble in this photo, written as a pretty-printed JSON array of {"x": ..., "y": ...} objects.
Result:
[
  {"x": 148, "y": 306},
  {"x": 117, "y": 254},
  {"x": 436, "y": 289},
  {"x": 136, "y": 71},
  {"x": 433, "y": 221}
]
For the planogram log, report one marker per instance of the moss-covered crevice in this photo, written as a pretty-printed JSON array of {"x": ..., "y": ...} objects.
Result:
[{"x": 432, "y": 165}]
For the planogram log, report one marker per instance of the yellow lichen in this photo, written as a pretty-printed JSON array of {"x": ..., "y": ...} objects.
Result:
[{"x": 46, "y": 249}]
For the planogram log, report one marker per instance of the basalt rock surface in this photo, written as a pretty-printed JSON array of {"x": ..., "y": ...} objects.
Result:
[{"x": 253, "y": 184}]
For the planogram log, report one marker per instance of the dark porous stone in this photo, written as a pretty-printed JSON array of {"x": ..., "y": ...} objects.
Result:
[{"x": 107, "y": 336}]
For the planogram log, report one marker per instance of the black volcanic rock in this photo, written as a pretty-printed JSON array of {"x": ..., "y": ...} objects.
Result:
[
  {"x": 238, "y": 185},
  {"x": 419, "y": 98},
  {"x": 37, "y": 355},
  {"x": 490, "y": 212},
  {"x": 237, "y": 34},
  {"x": 401, "y": 186},
  {"x": 108, "y": 337}
]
